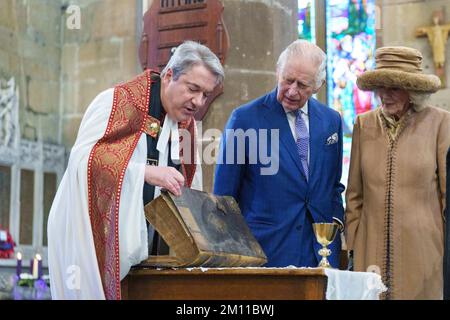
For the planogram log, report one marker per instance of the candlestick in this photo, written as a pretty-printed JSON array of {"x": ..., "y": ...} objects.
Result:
[
  {"x": 39, "y": 266},
  {"x": 35, "y": 268},
  {"x": 19, "y": 264}
]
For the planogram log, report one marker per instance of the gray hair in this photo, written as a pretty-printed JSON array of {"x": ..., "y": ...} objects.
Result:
[
  {"x": 304, "y": 49},
  {"x": 190, "y": 54},
  {"x": 418, "y": 100}
]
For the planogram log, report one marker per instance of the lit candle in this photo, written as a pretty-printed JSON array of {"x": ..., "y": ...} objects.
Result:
[
  {"x": 19, "y": 264},
  {"x": 39, "y": 266},
  {"x": 35, "y": 268}
]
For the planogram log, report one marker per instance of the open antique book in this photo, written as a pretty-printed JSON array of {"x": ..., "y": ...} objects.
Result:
[{"x": 202, "y": 229}]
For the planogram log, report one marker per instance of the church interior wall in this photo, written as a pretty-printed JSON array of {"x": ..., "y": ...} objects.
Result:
[
  {"x": 400, "y": 19},
  {"x": 57, "y": 71},
  {"x": 30, "y": 52},
  {"x": 96, "y": 57}
]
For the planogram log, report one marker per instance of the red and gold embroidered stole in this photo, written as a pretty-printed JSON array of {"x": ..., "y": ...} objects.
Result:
[{"x": 107, "y": 164}]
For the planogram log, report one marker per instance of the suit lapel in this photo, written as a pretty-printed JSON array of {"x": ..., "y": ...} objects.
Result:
[
  {"x": 315, "y": 134},
  {"x": 276, "y": 118}
]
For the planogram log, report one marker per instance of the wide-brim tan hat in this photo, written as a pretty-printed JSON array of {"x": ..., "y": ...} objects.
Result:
[{"x": 398, "y": 67}]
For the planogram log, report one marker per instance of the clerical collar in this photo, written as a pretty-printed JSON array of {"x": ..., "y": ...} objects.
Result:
[{"x": 304, "y": 109}]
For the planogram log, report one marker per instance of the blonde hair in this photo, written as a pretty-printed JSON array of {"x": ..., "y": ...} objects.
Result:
[{"x": 418, "y": 100}]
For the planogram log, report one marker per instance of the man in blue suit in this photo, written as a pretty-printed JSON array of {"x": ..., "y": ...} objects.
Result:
[{"x": 281, "y": 159}]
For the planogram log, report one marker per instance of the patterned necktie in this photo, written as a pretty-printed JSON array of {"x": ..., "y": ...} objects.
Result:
[{"x": 302, "y": 141}]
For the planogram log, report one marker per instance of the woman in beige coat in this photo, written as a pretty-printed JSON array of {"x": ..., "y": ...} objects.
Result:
[{"x": 396, "y": 187}]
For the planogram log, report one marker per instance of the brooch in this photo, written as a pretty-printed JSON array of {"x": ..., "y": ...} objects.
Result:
[{"x": 152, "y": 127}]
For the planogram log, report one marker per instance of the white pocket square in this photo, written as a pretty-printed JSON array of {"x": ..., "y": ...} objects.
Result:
[{"x": 332, "y": 139}]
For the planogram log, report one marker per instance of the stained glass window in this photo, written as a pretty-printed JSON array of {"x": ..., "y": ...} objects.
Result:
[
  {"x": 350, "y": 27},
  {"x": 306, "y": 20}
]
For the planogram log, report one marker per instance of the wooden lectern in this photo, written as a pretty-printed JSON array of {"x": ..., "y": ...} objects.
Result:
[{"x": 225, "y": 284}]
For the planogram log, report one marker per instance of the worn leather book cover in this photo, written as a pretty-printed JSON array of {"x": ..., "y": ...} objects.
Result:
[{"x": 202, "y": 229}]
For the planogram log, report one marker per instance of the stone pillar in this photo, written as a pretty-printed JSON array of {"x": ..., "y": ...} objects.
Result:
[
  {"x": 259, "y": 31},
  {"x": 102, "y": 53}
]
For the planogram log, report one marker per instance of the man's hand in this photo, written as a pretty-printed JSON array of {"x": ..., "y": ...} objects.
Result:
[
  {"x": 165, "y": 177},
  {"x": 340, "y": 224},
  {"x": 350, "y": 260}
]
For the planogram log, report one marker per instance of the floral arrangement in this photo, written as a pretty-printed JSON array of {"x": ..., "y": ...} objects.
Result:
[
  {"x": 27, "y": 280},
  {"x": 26, "y": 287}
]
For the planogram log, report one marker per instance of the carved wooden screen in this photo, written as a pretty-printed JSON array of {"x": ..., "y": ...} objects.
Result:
[{"x": 170, "y": 22}]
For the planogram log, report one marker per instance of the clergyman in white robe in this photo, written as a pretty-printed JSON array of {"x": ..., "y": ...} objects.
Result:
[{"x": 74, "y": 272}]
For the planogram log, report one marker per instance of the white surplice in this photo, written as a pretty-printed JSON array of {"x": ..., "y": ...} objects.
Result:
[{"x": 74, "y": 272}]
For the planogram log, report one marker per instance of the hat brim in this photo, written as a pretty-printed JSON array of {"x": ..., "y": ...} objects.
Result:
[{"x": 372, "y": 80}]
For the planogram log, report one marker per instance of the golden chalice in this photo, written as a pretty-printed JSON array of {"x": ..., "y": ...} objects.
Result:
[{"x": 325, "y": 234}]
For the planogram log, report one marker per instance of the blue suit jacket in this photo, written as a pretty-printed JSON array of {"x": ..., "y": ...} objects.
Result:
[{"x": 280, "y": 208}]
